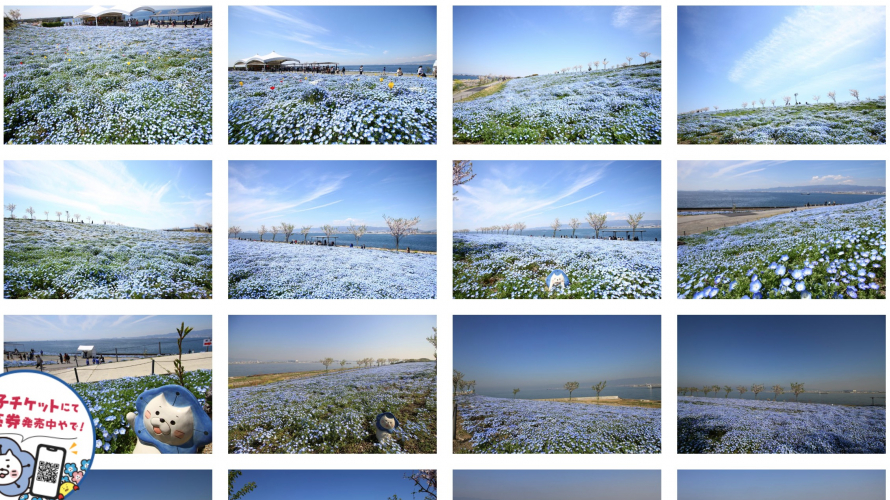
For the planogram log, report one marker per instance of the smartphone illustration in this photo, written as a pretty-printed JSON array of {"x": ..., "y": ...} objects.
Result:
[{"x": 47, "y": 478}]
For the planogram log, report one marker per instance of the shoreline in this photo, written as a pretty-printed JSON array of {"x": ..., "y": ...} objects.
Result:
[
  {"x": 401, "y": 250},
  {"x": 794, "y": 402},
  {"x": 696, "y": 224}
]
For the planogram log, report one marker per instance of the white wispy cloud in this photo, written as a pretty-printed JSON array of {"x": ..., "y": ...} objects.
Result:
[
  {"x": 639, "y": 19},
  {"x": 833, "y": 179},
  {"x": 272, "y": 14},
  {"x": 749, "y": 172},
  {"x": 811, "y": 39}
]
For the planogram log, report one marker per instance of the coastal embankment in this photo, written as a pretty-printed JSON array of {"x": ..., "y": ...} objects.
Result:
[
  {"x": 72, "y": 374},
  {"x": 695, "y": 224}
]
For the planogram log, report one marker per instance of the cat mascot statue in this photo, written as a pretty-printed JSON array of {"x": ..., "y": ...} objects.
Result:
[
  {"x": 386, "y": 423},
  {"x": 169, "y": 419}
]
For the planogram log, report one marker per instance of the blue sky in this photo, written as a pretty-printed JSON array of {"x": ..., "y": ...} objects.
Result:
[
  {"x": 176, "y": 484},
  {"x": 730, "y": 55},
  {"x": 784, "y": 484},
  {"x": 144, "y": 194},
  {"x": 744, "y": 174},
  {"x": 535, "y": 192},
  {"x": 330, "y": 192},
  {"x": 548, "y": 351},
  {"x": 315, "y": 337},
  {"x": 29, "y": 11},
  {"x": 824, "y": 352},
  {"x": 343, "y": 34},
  {"x": 561, "y": 484},
  {"x": 19, "y": 328},
  {"x": 328, "y": 484},
  {"x": 520, "y": 41}
]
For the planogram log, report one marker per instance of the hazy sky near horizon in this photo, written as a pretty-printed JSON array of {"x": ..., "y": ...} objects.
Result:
[
  {"x": 31, "y": 11},
  {"x": 342, "y": 34},
  {"x": 328, "y": 484},
  {"x": 20, "y": 328},
  {"x": 177, "y": 484},
  {"x": 521, "y": 41},
  {"x": 547, "y": 351},
  {"x": 781, "y": 484},
  {"x": 330, "y": 192},
  {"x": 561, "y": 484},
  {"x": 824, "y": 352},
  {"x": 730, "y": 55},
  {"x": 143, "y": 194},
  {"x": 278, "y": 338},
  {"x": 536, "y": 192},
  {"x": 744, "y": 174}
]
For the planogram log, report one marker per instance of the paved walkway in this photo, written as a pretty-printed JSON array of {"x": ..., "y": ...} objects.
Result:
[
  {"x": 463, "y": 94},
  {"x": 132, "y": 368},
  {"x": 695, "y": 224}
]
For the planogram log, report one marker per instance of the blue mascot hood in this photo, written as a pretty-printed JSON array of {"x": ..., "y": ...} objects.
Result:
[
  {"x": 555, "y": 273},
  {"x": 389, "y": 415},
  {"x": 176, "y": 395}
]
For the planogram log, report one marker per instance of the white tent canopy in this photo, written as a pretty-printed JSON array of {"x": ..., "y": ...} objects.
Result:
[
  {"x": 270, "y": 58},
  {"x": 117, "y": 11}
]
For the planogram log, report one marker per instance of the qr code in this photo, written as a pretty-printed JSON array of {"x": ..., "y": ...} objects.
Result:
[{"x": 47, "y": 472}]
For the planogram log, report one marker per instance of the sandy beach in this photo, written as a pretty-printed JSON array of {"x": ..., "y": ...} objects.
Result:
[{"x": 695, "y": 224}]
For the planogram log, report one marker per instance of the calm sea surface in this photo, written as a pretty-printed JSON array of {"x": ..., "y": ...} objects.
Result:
[
  {"x": 622, "y": 392},
  {"x": 712, "y": 199},
  {"x": 423, "y": 242},
  {"x": 105, "y": 346},
  {"x": 650, "y": 234},
  {"x": 465, "y": 77},
  {"x": 834, "y": 398},
  {"x": 240, "y": 370},
  {"x": 391, "y": 68}
]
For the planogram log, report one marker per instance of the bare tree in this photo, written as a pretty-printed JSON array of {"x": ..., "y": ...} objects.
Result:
[
  {"x": 574, "y": 224},
  {"x": 693, "y": 390},
  {"x": 515, "y": 392},
  {"x": 787, "y": 99},
  {"x": 571, "y": 386},
  {"x": 855, "y": 93},
  {"x": 327, "y": 362},
  {"x": 590, "y": 66},
  {"x": 457, "y": 379},
  {"x": 599, "y": 388},
  {"x": 644, "y": 55},
  {"x": 261, "y": 231},
  {"x": 778, "y": 390},
  {"x": 10, "y": 207},
  {"x": 357, "y": 231},
  {"x": 634, "y": 220},
  {"x": 15, "y": 15},
  {"x": 816, "y": 98},
  {"x": 304, "y": 230},
  {"x": 209, "y": 226},
  {"x": 30, "y": 211},
  {"x": 745, "y": 104},
  {"x": 742, "y": 390},
  {"x": 596, "y": 65},
  {"x": 434, "y": 339},
  {"x": 275, "y": 231},
  {"x": 597, "y": 222},
  {"x": 342, "y": 362},
  {"x": 76, "y": 217},
  {"x": 288, "y": 230},
  {"x": 234, "y": 231},
  {"x": 762, "y": 102},
  {"x": 752, "y": 104},
  {"x": 401, "y": 228},
  {"x": 706, "y": 389},
  {"x": 716, "y": 108},
  {"x": 380, "y": 361},
  {"x": 462, "y": 173},
  {"x": 520, "y": 226},
  {"x": 58, "y": 216},
  {"x": 425, "y": 481},
  {"x": 773, "y": 101},
  {"x": 555, "y": 225},
  {"x": 832, "y": 95},
  {"x": 46, "y": 212},
  {"x": 328, "y": 230},
  {"x": 716, "y": 389},
  {"x": 756, "y": 389},
  {"x": 629, "y": 59},
  {"x": 797, "y": 389},
  {"x": 728, "y": 389}
]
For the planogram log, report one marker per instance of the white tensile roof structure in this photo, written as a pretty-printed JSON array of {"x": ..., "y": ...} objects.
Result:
[
  {"x": 272, "y": 58},
  {"x": 116, "y": 11}
]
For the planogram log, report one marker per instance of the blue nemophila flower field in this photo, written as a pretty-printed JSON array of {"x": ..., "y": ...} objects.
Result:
[
  {"x": 336, "y": 413},
  {"x": 818, "y": 253},
  {"x": 101, "y": 85},
  {"x": 616, "y": 106},
  {"x": 845, "y": 123},
  {"x": 109, "y": 401},
  {"x": 488, "y": 266},
  {"x": 295, "y": 108},
  {"x": 62, "y": 260},
  {"x": 280, "y": 271},
  {"x": 501, "y": 425},
  {"x": 717, "y": 425}
]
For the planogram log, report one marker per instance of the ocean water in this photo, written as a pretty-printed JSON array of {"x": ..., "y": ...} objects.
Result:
[
  {"x": 242, "y": 370},
  {"x": 714, "y": 199},
  {"x": 391, "y": 68},
  {"x": 650, "y": 234},
  {"x": 466, "y": 77},
  {"x": 834, "y": 398},
  {"x": 653, "y": 394},
  {"x": 105, "y": 346},
  {"x": 422, "y": 242}
]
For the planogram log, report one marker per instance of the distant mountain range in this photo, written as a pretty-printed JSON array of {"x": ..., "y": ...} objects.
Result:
[
  {"x": 204, "y": 334},
  {"x": 822, "y": 188}
]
